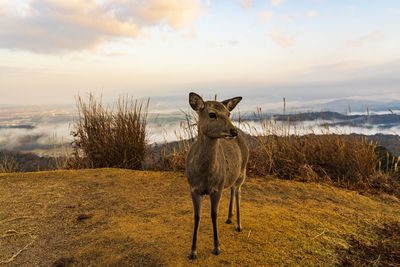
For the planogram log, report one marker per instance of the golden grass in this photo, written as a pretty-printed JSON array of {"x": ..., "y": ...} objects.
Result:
[
  {"x": 107, "y": 136},
  {"x": 8, "y": 164},
  {"x": 143, "y": 218},
  {"x": 293, "y": 151}
]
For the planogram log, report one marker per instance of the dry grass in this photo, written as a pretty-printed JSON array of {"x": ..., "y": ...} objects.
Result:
[
  {"x": 290, "y": 150},
  {"x": 8, "y": 164},
  {"x": 343, "y": 159},
  {"x": 173, "y": 155},
  {"x": 115, "y": 217},
  {"x": 109, "y": 136},
  {"x": 386, "y": 246}
]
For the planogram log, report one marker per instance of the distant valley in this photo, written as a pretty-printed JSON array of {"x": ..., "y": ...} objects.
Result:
[{"x": 42, "y": 129}]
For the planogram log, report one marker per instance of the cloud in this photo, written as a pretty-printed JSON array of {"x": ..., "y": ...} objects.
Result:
[
  {"x": 265, "y": 15},
  {"x": 246, "y": 4},
  {"x": 191, "y": 33},
  {"x": 340, "y": 66},
  {"x": 114, "y": 54},
  {"x": 374, "y": 36},
  {"x": 289, "y": 18},
  {"x": 212, "y": 44},
  {"x": 49, "y": 26},
  {"x": 176, "y": 13},
  {"x": 281, "y": 39},
  {"x": 360, "y": 74},
  {"x": 277, "y": 2},
  {"x": 393, "y": 10},
  {"x": 312, "y": 13},
  {"x": 233, "y": 42}
]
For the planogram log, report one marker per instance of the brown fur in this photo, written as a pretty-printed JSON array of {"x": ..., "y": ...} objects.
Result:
[{"x": 217, "y": 160}]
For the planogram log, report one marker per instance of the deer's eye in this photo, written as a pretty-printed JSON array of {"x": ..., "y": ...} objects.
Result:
[{"x": 212, "y": 115}]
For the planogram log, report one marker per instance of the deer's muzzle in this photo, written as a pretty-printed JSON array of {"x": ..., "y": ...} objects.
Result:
[{"x": 233, "y": 132}]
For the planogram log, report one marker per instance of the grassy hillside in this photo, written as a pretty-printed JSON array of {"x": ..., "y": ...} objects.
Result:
[{"x": 123, "y": 217}]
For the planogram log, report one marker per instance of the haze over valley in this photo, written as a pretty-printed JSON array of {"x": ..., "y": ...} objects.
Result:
[{"x": 42, "y": 128}]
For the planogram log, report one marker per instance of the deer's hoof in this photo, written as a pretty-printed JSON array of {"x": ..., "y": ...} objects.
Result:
[
  {"x": 228, "y": 221},
  {"x": 239, "y": 229},
  {"x": 192, "y": 256},
  {"x": 216, "y": 251}
]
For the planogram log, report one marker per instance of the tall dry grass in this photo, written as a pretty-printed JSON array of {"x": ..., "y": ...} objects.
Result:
[
  {"x": 173, "y": 155},
  {"x": 109, "y": 136},
  {"x": 291, "y": 150},
  {"x": 8, "y": 164}
]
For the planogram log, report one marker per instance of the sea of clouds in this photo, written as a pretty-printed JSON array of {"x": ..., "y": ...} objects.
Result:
[{"x": 52, "y": 126}]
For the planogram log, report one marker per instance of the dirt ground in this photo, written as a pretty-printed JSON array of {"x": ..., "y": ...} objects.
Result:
[{"x": 120, "y": 217}]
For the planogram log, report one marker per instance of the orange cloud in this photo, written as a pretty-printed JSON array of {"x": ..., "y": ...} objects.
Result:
[
  {"x": 277, "y": 2},
  {"x": 246, "y": 4},
  {"x": 176, "y": 13},
  {"x": 58, "y": 25},
  {"x": 281, "y": 39},
  {"x": 374, "y": 36},
  {"x": 312, "y": 13},
  {"x": 265, "y": 15}
]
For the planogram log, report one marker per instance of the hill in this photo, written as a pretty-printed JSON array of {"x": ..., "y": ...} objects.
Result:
[
  {"x": 25, "y": 162},
  {"x": 140, "y": 218},
  {"x": 383, "y": 121}
]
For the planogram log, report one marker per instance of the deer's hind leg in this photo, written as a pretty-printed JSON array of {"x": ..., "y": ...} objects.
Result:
[
  {"x": 237, "y": 188},
  {"x": 237, "y": 196},
  {"x": 197, "y": 201},
  {"x": 230, "y": 213}
]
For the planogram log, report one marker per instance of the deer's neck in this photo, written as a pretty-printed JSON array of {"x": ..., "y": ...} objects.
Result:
[{"x": 208, "y": 149}]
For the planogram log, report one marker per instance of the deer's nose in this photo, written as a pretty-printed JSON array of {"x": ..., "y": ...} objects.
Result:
[{"x": 234, "y": 132}]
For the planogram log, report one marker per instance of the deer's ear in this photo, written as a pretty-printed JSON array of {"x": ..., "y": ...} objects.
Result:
[
  {"x": 196, "y": 102},
  {"x": 231, "y": 103}
]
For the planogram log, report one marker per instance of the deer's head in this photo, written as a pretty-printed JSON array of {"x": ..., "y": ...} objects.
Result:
[{"x": 214, "y": 119}]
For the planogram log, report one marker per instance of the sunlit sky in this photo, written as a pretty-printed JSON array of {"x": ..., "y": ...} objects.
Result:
[{"x": 51, "y": 50}]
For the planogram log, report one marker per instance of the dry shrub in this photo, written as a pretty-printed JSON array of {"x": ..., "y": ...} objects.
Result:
[
  {"x": 167, "y": 157},
  {"x": 383, "y": 182},
  {"x": 174, "y": 161},
  {"x": 109, "y": 136},
  {"x": 384, "y": 251},
  {"x": 61, "y": 152},
  {"x": 291, "y": 151},
  {"x": 173, "y": 155},
  {"x": 283, "y": 150},
  {"x": 8, "y": 164},
  {"x": 344, "y": 159}
]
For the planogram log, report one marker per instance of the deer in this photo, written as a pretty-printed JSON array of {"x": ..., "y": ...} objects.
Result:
[{"x": 216, "y": 160}]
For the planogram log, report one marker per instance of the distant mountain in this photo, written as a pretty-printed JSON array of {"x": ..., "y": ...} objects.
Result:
[
  {"x": 23, "y": 126},
  {"x": 338, "y": 119},
  {"x": 27, "y": 162},
  {"x": 390, "y": 142},
  {"x": 354, "y": 105},
  {"x": 302, "y": 116}
]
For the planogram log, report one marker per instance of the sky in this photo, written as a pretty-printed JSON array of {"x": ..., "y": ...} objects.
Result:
[{"x": 53, "y": 50}]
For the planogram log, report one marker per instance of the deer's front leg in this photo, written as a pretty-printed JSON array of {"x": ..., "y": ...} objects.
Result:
[
  {"x": 215, "y": 198},
  {"x": 197, "y": 200}
]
